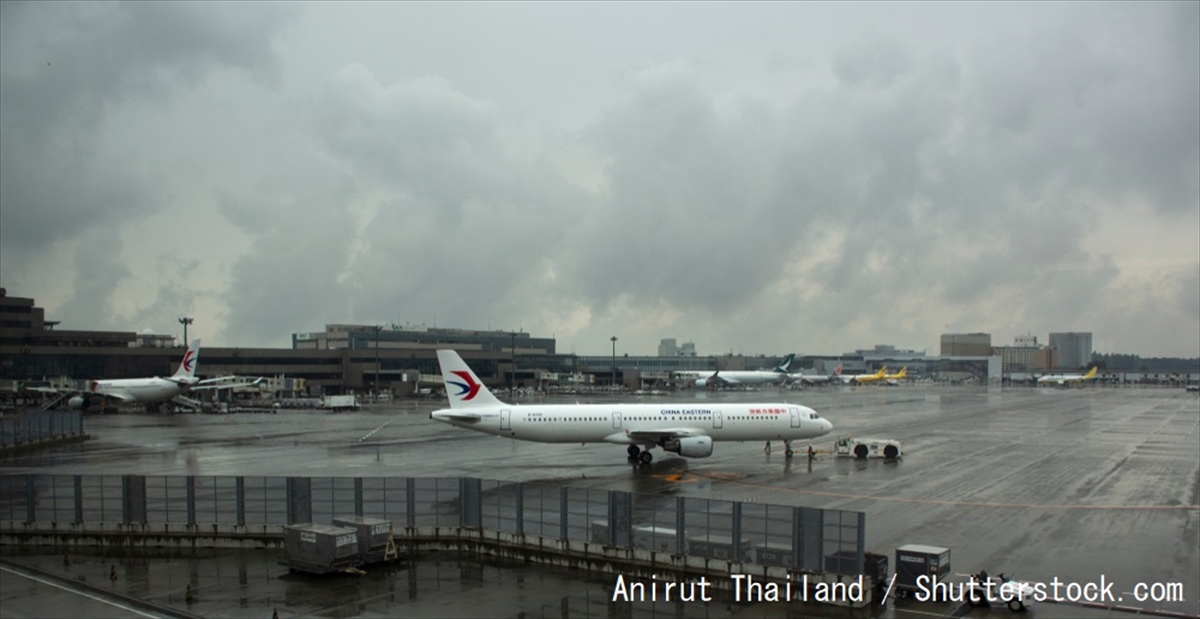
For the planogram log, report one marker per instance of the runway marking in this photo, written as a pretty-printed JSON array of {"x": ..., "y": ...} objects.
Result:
[
  {"x": 368, "y": 434},
  {"x": 894, "y": 499},
  {"x": 78, "y": 592}
]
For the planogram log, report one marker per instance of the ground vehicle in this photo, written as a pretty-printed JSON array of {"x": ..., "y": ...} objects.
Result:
[
  {"x": 863, "y": 448},
  {"x": 339, "y": 403},
  {"x": 987, "y": 589}
]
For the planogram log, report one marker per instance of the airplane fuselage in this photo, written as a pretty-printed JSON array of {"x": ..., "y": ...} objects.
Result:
[
  {"x": 139, "y": 390},
  {"x": 734, "y": 377},
  {"x": 628, "y": 424}
]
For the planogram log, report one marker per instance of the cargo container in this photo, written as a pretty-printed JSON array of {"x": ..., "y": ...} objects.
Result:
[
  {"x": 916, "y": 560},
  {"x": 375, "y": 541},
  {"x": 320, "y": 548}
]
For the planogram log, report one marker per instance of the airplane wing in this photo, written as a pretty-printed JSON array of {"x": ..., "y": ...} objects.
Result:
[
  {"x": 717, "y": 377},
  {"x": 227, "y": 382},
  {"x": 634, "y": 435},
  {"x": 119, "y": 397}
]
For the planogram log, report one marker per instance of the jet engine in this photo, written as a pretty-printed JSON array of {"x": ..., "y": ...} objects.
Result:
[
  {"x": 690, "y": 446},
  {"x": 77, "y": 402},
  {"x": 701, "y": 382}
]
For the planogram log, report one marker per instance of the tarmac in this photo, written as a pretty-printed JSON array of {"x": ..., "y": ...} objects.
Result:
[{"x": 1096, "y": 489}]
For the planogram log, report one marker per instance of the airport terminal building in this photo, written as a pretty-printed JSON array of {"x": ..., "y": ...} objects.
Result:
[{"x": 401, "y": 361}]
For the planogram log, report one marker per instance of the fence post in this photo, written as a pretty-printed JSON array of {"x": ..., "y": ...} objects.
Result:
[
  {"x": 797, "y": 539},
  {"x": 735, "y": 531},
  {"x": 813, "y": 528},
  {"x": 562, "y": 513},
  {"x": 191, "y": 500},
  {"x": 680, "y": 522},
  {"x": 520, "y": 508},
  {"x": 470, "y": 490},
  {"x": 620, "y": 519},
  {"x": 240, "y": 493},
  {"x": 410, "y": 499},
  {"x": 31, "y": 498},
  {"x": 133, "y": 499},
  {"x": 358, "y": 497},
  {"x": 299, "y": 500},
  {"x": 861, "y": 548},
  {"x": 78, "y": 481}
]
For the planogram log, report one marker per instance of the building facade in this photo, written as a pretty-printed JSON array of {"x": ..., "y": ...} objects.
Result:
[
  {"x": 1072, "y": 350},
  {"x": 966, "y": 344}
]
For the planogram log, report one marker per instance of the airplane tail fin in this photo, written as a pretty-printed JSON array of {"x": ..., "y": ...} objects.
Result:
[
  {"x": 187, "y": 366},
  {"x": 902, "y": 373},
  {"x": 783, "y": 366},
  {"x": 1091, "y": 374},
  {"x": 463, "y": 387}
]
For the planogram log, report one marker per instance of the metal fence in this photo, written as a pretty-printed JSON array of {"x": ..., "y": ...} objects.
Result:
[
  {"x": 798, "y": 537},
  {"x": 36, "y": 426}
]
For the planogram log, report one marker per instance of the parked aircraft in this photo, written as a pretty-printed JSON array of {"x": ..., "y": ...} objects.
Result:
[
  {"x": 151, "y": 392},
  {"x": 744, "y": 377},
  {"x": 894, "y": 379},
  {"x": 1066, "y": 379},
  {"x": 687, "y": 429},
  {"x": 811, "y": 379},
  {"x": 863, "y": 379}
]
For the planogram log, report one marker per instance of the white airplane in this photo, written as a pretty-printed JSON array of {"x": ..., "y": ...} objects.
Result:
[
  {"x": 152, "y": 391},
  {"x": 686, "y": 429},
  {"x": 742, "y": 377},
  {"x": 1065, "y": 379},
  {"x": 811, "y": 379}
]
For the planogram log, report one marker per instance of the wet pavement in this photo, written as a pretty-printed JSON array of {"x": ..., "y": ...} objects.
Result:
[{"x": 1075, "y": 486}]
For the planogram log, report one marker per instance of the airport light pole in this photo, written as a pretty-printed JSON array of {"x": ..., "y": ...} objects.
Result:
[
  {"x": 185, "y": 321},
  {"x": 378, "y": 328},
  {"x": 614, "y": 361},
  {"x": 512, "y": 371}
]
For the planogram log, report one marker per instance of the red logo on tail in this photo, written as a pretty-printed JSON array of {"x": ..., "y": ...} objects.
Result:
[{"x": 469, "y": 388}]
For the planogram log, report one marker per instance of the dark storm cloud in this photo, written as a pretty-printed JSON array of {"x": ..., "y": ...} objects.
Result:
[
  {"x": 66, "y": 69},
  {"x": 434, "y": 218},
  {"x": 822, "y": 175}
]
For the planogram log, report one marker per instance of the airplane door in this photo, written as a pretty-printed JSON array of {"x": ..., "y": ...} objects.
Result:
[
  {"x": 616, "y": 421},
  {"x": 504, "y": 420},
  {"x": 718, "y": 420},
  {"x": 795, "y": 412}
]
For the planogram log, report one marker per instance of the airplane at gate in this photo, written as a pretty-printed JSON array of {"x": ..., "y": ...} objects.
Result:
[
  {"x": 151, "y": 391},
  {"x": 744, "y": 377},
  {"x": 1065, "y": 379},
  {"x": 870, "y": 378},
  {"x": 894, "y": 379},
  {"x": 687, "y": 429}
]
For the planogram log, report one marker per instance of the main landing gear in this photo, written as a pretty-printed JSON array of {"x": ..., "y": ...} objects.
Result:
[
  {"x": 787, "y": 446},
  {"x": 636, "y": 453}
]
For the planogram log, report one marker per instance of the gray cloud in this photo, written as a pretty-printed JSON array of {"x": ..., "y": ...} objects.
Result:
[{"x": 856, "y": 177}]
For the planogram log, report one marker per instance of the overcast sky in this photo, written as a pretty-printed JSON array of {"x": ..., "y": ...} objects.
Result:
[{"x": 756, "y": 178}]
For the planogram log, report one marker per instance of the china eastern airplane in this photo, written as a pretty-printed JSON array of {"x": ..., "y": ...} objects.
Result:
[
  {"x": 152, "y": 391},
  {"x": 744, "y": 377},
  {"x": 1064, "y": 379},
  {"x": 686, "y": 429}
]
